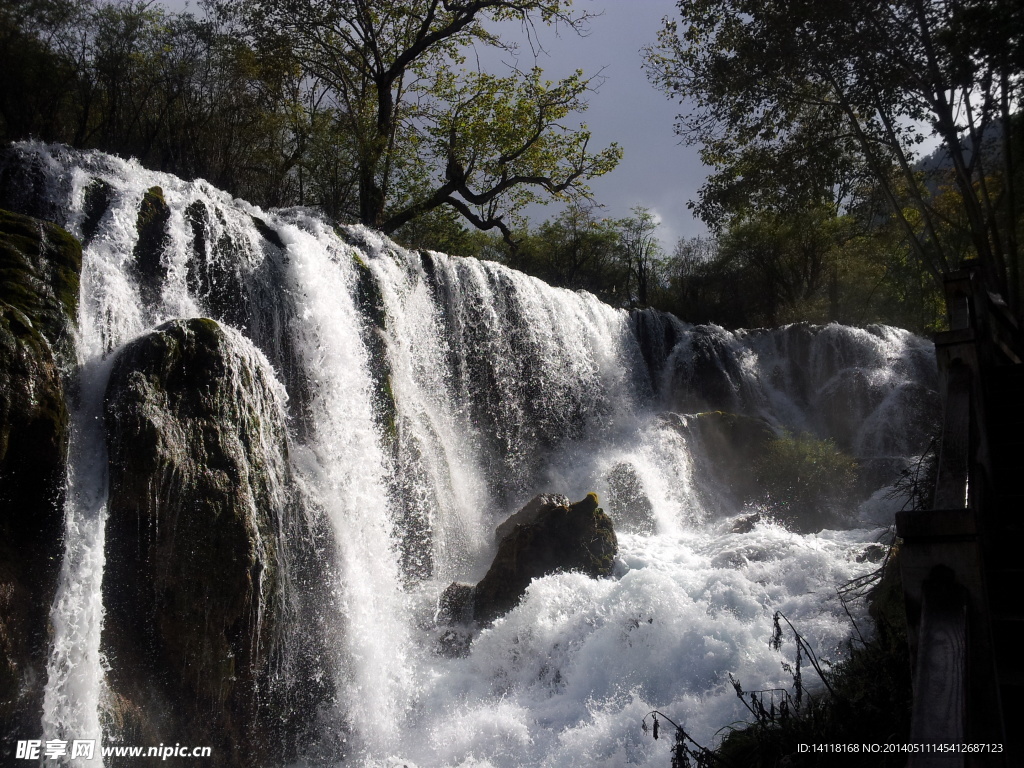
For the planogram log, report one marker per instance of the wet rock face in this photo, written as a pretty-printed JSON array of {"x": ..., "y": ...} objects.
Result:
[
  {"x": 23, "y": 185},
  {"x": 630, "y": 507},
  {"x": 553, "y": 537},
  {"x": 528, "y": 514},
  {"x": 799, "y": 481},
  {"x": 730, "y": 445},
  {"x": 201, "y": 504},
  {"x": 40, "y": 268},
  {"x": 154, "y": 214},
  {"x": 456, "y": 604},
  {"x": 39, "y": 272}
]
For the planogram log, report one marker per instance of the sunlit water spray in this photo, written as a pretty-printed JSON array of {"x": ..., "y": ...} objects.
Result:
[{"x": 430, "y": 397}]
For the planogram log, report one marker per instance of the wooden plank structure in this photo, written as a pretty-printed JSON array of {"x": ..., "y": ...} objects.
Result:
[{"x": 960, "y": 562}]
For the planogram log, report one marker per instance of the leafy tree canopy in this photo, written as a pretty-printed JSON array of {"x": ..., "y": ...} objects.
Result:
[
  {"x": 796, "y": 102},
  {"x": 424, "y": 130}
]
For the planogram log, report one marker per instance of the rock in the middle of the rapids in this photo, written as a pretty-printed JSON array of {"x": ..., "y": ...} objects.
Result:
[{"x": 554, "y": 537}]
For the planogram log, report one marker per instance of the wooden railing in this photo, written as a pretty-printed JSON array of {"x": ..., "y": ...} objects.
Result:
[{"x": 956, "y": 689}]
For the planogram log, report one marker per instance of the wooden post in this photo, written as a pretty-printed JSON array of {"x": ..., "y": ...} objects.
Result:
[
  {"x": 956, "y": 690},
  {"x": 940, "y": 675}
]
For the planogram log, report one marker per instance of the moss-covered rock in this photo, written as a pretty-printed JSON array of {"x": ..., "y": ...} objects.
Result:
[
  {"x": 201, "y": 505},
  {"x": 577, "y": 537},
  {"x": 804, "y": 483},
  {"x": 39, "y": 272},
  {"x": 154, "y": 214},
  {"x": 800, "y": 481}
]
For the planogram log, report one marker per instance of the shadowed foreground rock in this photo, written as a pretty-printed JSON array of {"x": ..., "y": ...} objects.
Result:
[
  {"x": 210, "y": 647},
  {"x": 39, "y": 273},
  {"x": 548, "y": 536}
]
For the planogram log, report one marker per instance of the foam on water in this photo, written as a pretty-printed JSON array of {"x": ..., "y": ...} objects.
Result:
[{"x": 566, "y": 677}]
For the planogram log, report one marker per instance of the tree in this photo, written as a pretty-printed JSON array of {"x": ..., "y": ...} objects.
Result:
[
  {"x": 181, "y": 94},
  {"x": 812, "y": 95},
  {"x": 37, "y": 91},
  {"x": 424, "y": 133},
  {"x": 642, "y": 253},
  {"x": 575, "y": 250}
]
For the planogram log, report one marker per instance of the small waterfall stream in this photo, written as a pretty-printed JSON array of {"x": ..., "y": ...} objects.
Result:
[{"x": 428, "y": 398}]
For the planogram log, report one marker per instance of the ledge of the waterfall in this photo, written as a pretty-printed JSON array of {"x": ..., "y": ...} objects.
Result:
[
  {"x": 549, "y": 537},
  {"x": 40, "y": 265},
  {"x": 194, "y": 584}
]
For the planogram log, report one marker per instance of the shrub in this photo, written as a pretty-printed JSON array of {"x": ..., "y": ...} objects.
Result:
[{"x": 804, "y": 481}]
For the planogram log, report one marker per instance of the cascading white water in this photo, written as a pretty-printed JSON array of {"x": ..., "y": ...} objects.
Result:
[
  {"x": 74, "y": 672},
  {"x": 343, "y": 466},
  {"x": 495, "y": 387},
  {"x": 110, "y": 313}
]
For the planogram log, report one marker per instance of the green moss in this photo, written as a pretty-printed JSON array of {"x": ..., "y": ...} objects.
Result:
[
  {"x": 40, "y": 268},
  {"x": 152, "y": 207},
  {"x": 804, "y": 481}
]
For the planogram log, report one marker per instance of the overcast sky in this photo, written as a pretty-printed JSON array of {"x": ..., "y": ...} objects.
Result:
[{"x": 656, "y": 171}]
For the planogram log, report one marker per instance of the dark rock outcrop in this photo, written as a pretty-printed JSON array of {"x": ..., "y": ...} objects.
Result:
[
  {"x": 455, "y": 617},
  {"x": 628, "y": 504},
  {"x": 204, "y": 533},
  {"x": 24, "y": 187},
  {"x": 39, "y": 273},
  {"x": 802, "y": 482},
  {"x": 528, "y": 514},
  {"x": 154, "y": 214},
  {"x": 553, "y": 537},
  {"x": 456, "y": 604},
  {"x": 729, "y": 446},
  {"x": 98, "y": 197},
  {"x": 212, "y": 272}
]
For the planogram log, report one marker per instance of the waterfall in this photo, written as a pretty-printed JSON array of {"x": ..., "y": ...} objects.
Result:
[{"x": 427, "y": 398}]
